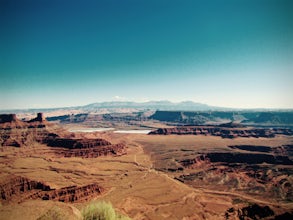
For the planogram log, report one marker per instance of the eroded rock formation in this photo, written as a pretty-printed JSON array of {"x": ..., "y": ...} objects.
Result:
[
  {"x": 4, "y": 118},
  {"x": 40, "y": 118},
  {"x": 85, "y": 148},
  {"x": 17, "y": 133},
  {"x": 203, "y": 117},
  {"x": 221, "y": 131},
  {"x": 92, "y": 152},
  {"x": 16, "y": 188},
  {"x": 76, "y": 143},
  {"x": 10, "y": 121},
  {"x": 253, "y": 211},
  {"x": 16, "y": 185},
  {"x": 256, "y": 173},
  {"x": 248, "y": 158},
  {"x": 252, "y": 148},
  {"x": 70, "y": 194},
  {"x": 37, "y": 130}
]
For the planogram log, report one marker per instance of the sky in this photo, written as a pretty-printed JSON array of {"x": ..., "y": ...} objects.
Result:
[{"x": 222, "y": 52}]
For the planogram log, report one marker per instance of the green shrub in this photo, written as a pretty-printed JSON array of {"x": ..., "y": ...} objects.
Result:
[{"x": 101, "y": 210}]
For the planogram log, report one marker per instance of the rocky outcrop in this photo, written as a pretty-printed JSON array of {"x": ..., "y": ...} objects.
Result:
[
  {"x": 245, "y": 158},
  {"x": 231, "y": 125},
  {"x": 285, "y": 150},
  {"x": 264, "y": 149},
  {"x": 11, "y": 142},
  {"x": 115, "y": 150},
  {"x": 40, "y": 118},
  {"x": 4, "y": 118},
  {"x": 192, "y": 117},
  {"x": 272, "y": 118},
  {"x": 195, "y": 161},
  {"x": 253, "y": 211},
  {"x": 78, "y": 118},
  {"x": 76, "y": 143},
  {"x": 256, "y": 173},
  {"x": 17, "y": 188},
  {"x": 222, "y": 131},
  {"x": 85, "y": 148},
  {"x": 256, "y": 180},
  {"x": 25, "y": 135},
  {"x": 204, "y": 117},
  {"x": 70, "y": 194},
  {"x": 36, "y": 130},
  {"x": 16, "y": 185},
  {"x": 284, "y": 216},
  {"x": 10, "y": 121},
  {"x": 169, "y": 116}
]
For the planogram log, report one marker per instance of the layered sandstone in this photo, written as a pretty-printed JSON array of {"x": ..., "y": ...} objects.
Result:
[
  {"x": 205, "y": 117},
  {"x": 76, "y": 143},
  {"x": 246, "y": 158},
  {"x": 222, "y": 131},
  {"x": 85, "y": 148},
  {"x": 10, "y": 121},
  {"x": 255, "y": 170},
  {"x": 17, "y": 133},
  {"x": 40, "y": 118},
  {"x": 70, "y": 194},
  {"x": 38, "y": 130},
  {"x": 114, "y": 150},
  {"x": 16, "y": 188}
]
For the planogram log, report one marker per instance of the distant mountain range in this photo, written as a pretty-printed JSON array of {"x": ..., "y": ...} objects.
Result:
[
  {"x": 154, "y": 105},
  {"x": 163, "y": 105},
  {"x": 139, "y": 106},
  {"x": 187, "y": 112}
]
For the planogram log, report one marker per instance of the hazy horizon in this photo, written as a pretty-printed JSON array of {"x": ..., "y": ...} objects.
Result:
[
  {"x": 212, "y": 107},
  {"x": 72, "y": 53}
]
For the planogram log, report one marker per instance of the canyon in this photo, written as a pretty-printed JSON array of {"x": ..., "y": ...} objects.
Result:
[
  {"x": 225, "y": 171},
  {"x": 17, "y": 133},
  {"x": 223, "y": 132}
]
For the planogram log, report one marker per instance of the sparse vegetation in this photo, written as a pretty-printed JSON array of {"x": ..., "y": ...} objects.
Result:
[
  {"x": 101, "y": 210},
  {"x": 145, "y": 179},
  {"x": 54, "y": 213}
]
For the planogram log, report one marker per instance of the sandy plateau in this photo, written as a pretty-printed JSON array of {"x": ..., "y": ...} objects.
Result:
[
  {"x": 130, "y": 182},
  {"x": 145, "y": 177}
]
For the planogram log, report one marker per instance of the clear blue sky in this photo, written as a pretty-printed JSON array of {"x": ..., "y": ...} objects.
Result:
[{"x": 222, "y": 53}]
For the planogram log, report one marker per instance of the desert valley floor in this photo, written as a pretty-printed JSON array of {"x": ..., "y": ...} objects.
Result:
[{"x": 44, "y": 167}]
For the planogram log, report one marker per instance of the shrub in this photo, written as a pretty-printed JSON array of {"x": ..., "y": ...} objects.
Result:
[{"x": 99, "y": 211}]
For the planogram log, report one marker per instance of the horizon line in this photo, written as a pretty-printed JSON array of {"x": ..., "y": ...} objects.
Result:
[{"x": 224, "y": 108}]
